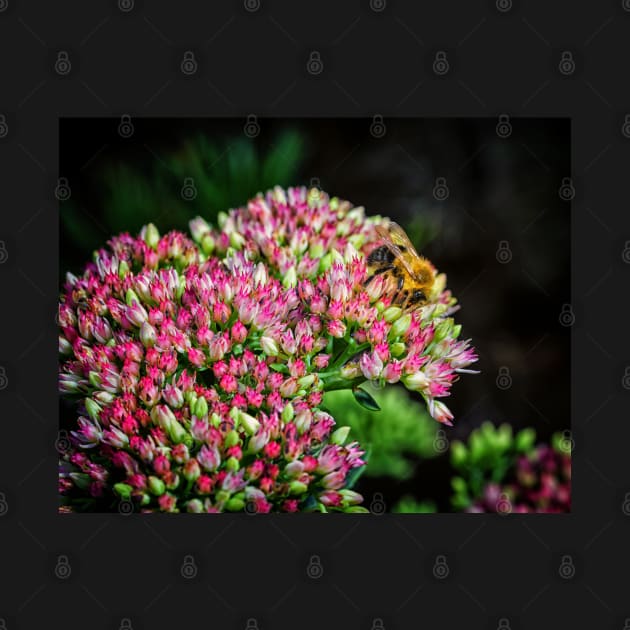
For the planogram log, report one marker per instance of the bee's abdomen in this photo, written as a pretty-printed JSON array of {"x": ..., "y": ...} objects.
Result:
[{"x": 380, "y": 255}]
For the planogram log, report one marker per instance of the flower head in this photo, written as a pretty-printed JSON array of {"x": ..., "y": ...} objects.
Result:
[{"x": 205, "y": 362}]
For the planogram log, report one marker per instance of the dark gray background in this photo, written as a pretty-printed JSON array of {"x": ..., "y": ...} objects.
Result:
[{"x": 374, "y": 62}]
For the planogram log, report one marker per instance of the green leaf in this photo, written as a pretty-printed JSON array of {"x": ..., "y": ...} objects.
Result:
[
  {"x": 279, "y": 367},
  {"x": 81, "y": 480},
  {"x": 459, "y": 454},
  {"x": 399, "y": 435},
  {"x": 460, "y": 503},
  {"x": 365, "y": 400},
  {"x": 409, "y": 505},
  {"x": 123, "y": 490},
  {"x": 356, "y": 509},
  {"x": 459, "y": 485},
  {"x": 524, "y": 440}
]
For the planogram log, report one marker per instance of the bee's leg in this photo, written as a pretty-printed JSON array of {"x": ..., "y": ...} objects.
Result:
[
  {"x": 399, "y": 285},
  {"x": 405, "y": 300}
]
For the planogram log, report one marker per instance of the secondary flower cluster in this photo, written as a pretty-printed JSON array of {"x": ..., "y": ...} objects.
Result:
[
  {"x": 540, "y": 482},
  {"x": 200, "y": 366}
]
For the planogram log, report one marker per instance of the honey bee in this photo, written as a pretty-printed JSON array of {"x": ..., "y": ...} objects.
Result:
[{"x": 412, "y": 276}]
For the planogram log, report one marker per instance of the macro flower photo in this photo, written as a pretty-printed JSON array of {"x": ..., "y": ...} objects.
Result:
[{"x": 239, "y": 335}]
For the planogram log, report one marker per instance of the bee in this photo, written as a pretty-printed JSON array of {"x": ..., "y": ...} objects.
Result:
[{"x": 412, "y": 276}]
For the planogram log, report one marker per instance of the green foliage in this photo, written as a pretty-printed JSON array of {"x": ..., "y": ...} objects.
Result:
[
  {"x": 562, "y": 443},
  {"x": 223, "y": 175},
  {"x": 486, "y": 457},
  {"x": 395, "y": 436},
  {"x": 409, "y": 505},
  {"x": 365, "y": 400}
]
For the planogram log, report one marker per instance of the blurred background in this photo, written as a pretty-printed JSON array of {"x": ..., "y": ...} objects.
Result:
[{"x": 481, "y": 198}]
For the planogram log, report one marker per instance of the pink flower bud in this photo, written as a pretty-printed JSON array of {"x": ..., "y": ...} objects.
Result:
[
  {"x": 331, "y": 498},
  {"x": 179, "y": 453},
  {"x": 392, "y": 372},
  {"x": 204, "y": 484},
  {"x": 336, "y": 328},
  {"x": 303, "y": 420},
  {"x": 371, "y": 365},
  {"x": 167, "y": 502},
  {"x": 334, "y": 480},
  {"x": 440, "y": 412},
  {"x": 239, "y": 332},
  {"x": 289, "y": 387},
  {"x": 173, "y": 396},
  {"x": 209, "y": 458},
  {"x": 196, "y": 357},
  {"x": 329, "y": 459},
  {"x": 288, "y": 342},
  {"x": 136, "y": 314},
  {"x": 321, "y": 361},
  {"x": 161, "y": 465},
  {"x": 272, "y": 450}
]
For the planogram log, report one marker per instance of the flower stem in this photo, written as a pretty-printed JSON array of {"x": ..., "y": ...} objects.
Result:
[
  {"x": 333, "y": 381},
  {"x": 351, "y": 350}
]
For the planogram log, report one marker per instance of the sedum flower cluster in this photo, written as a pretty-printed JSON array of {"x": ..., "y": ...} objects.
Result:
[
  {"x": 198, "y": 365},
  {"x": 539, "y": 482}
]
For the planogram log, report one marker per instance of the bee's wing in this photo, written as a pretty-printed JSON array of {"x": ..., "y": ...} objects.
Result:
[
  {"x": 400, "y": 237},
  {"x": 393, "y": 232}
]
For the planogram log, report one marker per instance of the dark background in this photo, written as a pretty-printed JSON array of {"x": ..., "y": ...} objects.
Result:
[
  {"x": 499, "y": 189},
  {"x": 374, "y": 62}
]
